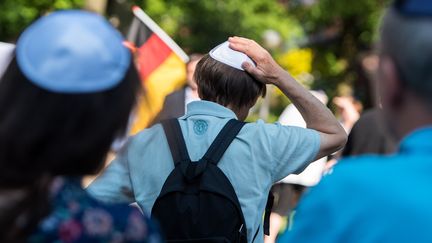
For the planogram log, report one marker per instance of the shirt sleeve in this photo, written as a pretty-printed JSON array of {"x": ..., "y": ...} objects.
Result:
[
  {"x": 113, "y": 185},
  {"x": 293, "y": 148}
]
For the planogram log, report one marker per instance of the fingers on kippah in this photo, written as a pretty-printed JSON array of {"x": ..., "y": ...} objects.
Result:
[
  {"x": 245, "y": 65},
  {"x": 249, "y": 68}
]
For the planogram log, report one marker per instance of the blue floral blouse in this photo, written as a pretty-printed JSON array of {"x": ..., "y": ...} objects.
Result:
[{"x": 77, "y": 217}]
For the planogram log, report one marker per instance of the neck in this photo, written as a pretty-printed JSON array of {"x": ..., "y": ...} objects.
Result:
[
  {"x": 411, "y": 115},
  {"x": 240, "y": 113},
  {"x": 194, "y": 93}
]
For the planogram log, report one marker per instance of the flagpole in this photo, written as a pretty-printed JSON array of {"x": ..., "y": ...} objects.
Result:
[{"x": 141, "y": 15}]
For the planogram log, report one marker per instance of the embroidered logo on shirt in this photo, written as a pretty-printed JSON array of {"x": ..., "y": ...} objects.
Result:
[{"x": 200, "y": 127}]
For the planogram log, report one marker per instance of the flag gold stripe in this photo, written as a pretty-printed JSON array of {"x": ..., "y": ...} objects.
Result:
[{"x": 166, "y": 78}]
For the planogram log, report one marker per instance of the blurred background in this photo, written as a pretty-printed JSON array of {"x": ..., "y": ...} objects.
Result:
[{"x": 326, "y": 44}]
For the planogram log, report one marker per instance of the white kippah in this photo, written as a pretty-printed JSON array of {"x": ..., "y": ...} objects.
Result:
[
  {"x": 6, "y": 54},
  {"x": 223, "y": 53}
]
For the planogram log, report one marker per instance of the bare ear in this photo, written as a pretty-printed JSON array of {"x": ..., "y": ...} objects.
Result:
[{"x": 390, "y": 83}]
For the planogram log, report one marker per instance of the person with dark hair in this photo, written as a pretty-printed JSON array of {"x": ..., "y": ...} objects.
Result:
[
  {"x": 368, "y": 136},
  {"x": 175, "y": 104},
  {"x": 385, "y": 198},
  {"x": 64, "y": 98},
  {"x": 258, "y": 156}
]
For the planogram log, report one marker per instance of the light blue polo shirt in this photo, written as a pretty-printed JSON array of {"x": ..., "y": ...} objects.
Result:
[
  {"x": 372, "y": 198},
  {"x": 259, "y": 156}
]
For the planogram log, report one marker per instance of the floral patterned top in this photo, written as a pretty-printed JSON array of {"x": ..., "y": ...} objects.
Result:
[{"x": 77, "y": 217}]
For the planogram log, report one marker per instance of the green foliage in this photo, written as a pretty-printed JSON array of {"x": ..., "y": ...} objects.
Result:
[
  {"x": 15, "y": 15},
  {"x": 200, "y": 25},
  {"x": 350, "y": 29},
  {"x": 335, "y": 32}
]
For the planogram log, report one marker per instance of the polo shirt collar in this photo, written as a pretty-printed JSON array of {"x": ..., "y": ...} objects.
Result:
[
  {"x": 208, "y": 108},
  {"x": 418, "y": 141}
]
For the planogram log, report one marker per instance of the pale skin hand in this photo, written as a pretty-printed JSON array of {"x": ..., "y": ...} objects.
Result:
[{"x": 316, "y": 115}]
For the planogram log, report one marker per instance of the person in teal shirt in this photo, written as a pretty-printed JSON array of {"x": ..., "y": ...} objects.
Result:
[
  {"x": 259, "y": 156},
  {"x": 388, "y": 198}
]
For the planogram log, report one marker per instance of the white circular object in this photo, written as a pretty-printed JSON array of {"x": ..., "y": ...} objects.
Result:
[{"x": 223, "y": 53}]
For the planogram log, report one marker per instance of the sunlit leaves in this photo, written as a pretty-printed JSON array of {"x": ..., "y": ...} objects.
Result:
[{"x": 15, "y": 15}]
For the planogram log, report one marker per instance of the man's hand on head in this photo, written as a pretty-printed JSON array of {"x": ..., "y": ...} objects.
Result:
[
  {"x": 266, "y": 70},
  {"x": 316, "y": 115}
]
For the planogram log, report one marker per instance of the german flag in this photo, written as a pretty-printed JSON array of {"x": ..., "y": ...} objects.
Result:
[{"x": 161, "y": 65}]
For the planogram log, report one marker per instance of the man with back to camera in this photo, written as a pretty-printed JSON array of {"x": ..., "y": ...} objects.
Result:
[
  {"x": 259, "y": 155},
  {"x": 385, "y": 198}
]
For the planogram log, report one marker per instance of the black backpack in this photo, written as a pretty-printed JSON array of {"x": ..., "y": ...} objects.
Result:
[{"x": 197, "y": 202}]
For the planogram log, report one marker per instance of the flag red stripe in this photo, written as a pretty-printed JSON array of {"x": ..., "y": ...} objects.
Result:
[{"x": 152, "y": 54}]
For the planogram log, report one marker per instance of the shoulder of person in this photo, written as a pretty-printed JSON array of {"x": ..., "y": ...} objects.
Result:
[
  {"x": 359, "y": 171},
  {"x": 271, "y": 128},
  {"x": 148, "y": 137},
  {"x": 146, "y": 134}
]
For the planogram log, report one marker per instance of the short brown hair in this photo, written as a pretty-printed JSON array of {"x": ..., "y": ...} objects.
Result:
[{"x": 226, "y": 85}]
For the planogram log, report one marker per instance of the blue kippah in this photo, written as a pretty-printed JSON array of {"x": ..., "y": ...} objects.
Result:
[
  {"x": 414, "y": 7},
  {"x": 72, "y": 51}
]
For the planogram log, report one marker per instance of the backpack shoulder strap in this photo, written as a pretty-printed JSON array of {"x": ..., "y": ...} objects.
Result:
[
  {"x": 223, "y": 140},
  {"x": 268, "y": 208},
  {"x": 176, "y": 141}
]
